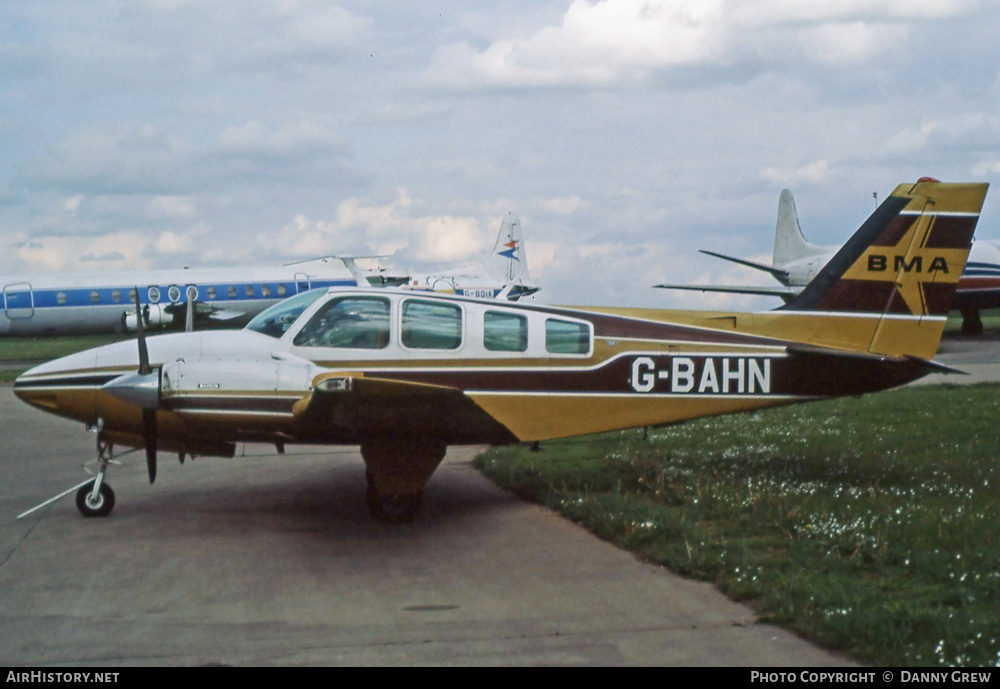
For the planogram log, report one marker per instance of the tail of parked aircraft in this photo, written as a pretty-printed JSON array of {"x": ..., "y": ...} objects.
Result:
[
  {"x": 899, "y": 270},
  {"x": 789, "y": 243},
  {"x": 507, "y": 262}
]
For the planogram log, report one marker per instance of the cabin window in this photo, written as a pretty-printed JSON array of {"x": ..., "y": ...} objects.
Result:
[
  {"x": 210, "y": 291},
  {"x": 231, "y": 292},
  {"x": 95, "y": 297},
  {"x": 249, "y": 291},
  {"x": 282, "y": 290},
  {"x": 505, "y": 332},
  {"x": 60, "y": 298},
  {"x": 350, "y": 323},
  {"x": 116, "y": 296},
  {"x": 153, "y": 294},
  {"x": 431, "y": 325},
  {"x": 132, "y": 294},
  {"x": 192, "y": 293},
  {"x": 265, "y": 290},
  {"x": 174, "y": 293},
  {"x": 566, "y": 337}
]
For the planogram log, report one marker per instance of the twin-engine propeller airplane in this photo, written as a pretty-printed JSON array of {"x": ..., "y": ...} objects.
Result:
[{"x": 405, "y": 374}]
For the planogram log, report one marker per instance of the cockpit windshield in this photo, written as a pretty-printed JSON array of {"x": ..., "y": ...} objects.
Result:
[{"x": 276, "y": 320}]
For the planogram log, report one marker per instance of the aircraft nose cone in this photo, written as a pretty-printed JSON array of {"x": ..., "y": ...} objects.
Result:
[{"x": 64, "y": 386}]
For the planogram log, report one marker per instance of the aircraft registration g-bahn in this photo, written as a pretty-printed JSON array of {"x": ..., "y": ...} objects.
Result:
[
  {"x": 404, "y": 374},
  {"x": 796, "y": 262}
]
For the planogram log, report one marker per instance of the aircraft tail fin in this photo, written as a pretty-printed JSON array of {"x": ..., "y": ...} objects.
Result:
[
  {"x": 508, "y": 262},
  {"x": 900, "y": 269},
  {"x": 789, "y": 242}
]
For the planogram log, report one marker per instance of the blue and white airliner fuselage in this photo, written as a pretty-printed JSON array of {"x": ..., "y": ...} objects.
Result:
[{"x": 77, "y": 303}]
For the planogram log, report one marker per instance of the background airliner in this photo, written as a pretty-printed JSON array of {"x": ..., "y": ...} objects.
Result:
[
  {"x": 76, "y": 303},
  {"x": 796, "y": 262},
  {"x": 80, "y": 303}
]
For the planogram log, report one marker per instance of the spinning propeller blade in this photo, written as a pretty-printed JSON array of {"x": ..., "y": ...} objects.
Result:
[{"x": 148, "y": 415}]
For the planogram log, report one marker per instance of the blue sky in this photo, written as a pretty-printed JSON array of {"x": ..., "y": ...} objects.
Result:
[{"x": 626, "y": 134}]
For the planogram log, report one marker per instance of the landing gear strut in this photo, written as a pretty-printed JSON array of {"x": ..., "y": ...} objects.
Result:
[
  {"x": 397, "y": 472},
  {"x": 96, "y": 499},
  {"x": 972, "y": 323}
]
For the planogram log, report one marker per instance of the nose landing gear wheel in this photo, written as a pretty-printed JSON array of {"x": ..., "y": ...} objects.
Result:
[{"x": 91, "y": 506}]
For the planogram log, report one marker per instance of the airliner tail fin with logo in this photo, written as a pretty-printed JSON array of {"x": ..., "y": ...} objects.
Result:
[{"x": 901, "y": 267}]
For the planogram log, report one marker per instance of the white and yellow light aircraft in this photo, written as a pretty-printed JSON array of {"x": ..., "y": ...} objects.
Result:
[{"x": 404, "y": 374}]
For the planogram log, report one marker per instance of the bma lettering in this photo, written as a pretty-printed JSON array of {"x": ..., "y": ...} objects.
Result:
[
  {"x": 879, "y": 263},
  {"x": 901, "y": 264}
]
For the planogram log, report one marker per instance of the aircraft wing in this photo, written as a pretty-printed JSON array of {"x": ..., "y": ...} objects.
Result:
[
  {"x": 203, "y": 311},
  {"x": 783, "y": 292},
  {"x": 226, "y": 314},
  {"x": 779, "y": 274},
  {"x": 378, "y": 406}
]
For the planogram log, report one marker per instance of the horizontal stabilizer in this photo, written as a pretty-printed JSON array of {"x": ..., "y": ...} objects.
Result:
[
  {"x": 779, "y": 274},
  {"x": 937, "y": 366},
  {"x": 734, "y": 289}
]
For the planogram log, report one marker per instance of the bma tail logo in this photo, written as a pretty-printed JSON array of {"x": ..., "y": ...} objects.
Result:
[
  {"x": 878, "y": 263},
  {"x": 910, "y": 264},
  {"x": 705, "y": 375}
]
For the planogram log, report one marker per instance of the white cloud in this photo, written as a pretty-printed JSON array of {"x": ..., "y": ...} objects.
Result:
[
  {"x": 171, "y": 207},
  {"x": 72, "y": 203},
  {"x": 173, "y": 243},
  {"x": 601, "y": 42},
  {"x": 812, "y": 173},
  {"x": 116, "y": 251},
  {"x": 567, "y": 205},
  {"x": 254, "y": 138},
  {"x": 986, "y": 167},
  {"x": 395, "y": 227}
]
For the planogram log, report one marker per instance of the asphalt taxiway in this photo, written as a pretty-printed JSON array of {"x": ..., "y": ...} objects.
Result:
[{"x": 268, "y": 560}]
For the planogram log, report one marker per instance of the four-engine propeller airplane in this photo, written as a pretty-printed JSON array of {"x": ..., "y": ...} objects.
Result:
[
  {"x": 404, "y": 374},
  {"x": 796, "y": 262},
  {"x": 79, "y": 303}
]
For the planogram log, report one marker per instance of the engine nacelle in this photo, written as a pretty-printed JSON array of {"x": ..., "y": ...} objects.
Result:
[{"x": 153, "y": 316}]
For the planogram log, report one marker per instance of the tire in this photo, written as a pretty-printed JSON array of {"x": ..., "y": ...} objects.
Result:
[
  {"x": 99, "y": 508},
  {"x": 394, "y": 509}
]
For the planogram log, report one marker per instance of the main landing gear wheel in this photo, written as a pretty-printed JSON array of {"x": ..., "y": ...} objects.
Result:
[
  {"x": 394, "y": 509},
  {"x": 397, "y": 469},
  {"x": 95, "y": 506}
]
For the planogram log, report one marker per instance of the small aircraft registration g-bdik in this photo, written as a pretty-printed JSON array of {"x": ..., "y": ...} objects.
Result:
[{"x": 405, "y": 374}]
